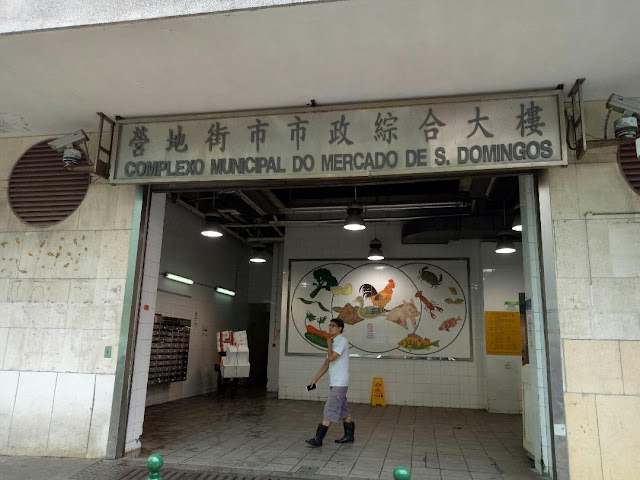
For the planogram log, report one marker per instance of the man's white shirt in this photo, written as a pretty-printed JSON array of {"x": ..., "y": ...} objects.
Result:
[{"x": 339, "y": 368}]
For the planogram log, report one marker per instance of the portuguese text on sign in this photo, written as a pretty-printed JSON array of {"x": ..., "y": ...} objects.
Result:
[{"x": 383, "y": 139}]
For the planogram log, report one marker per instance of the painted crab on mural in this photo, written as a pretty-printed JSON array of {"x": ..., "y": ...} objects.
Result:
[{"x": 429, "y": 277}]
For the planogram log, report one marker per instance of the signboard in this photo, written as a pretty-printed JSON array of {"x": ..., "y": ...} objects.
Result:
[
  {"x": 424, "y": 137},
  {"x": 391, "y": 309},
  {"x": 502, "y": 331}
]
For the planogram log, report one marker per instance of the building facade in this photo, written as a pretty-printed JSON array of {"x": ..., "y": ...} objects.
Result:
[{"x": 61, "y": 391}]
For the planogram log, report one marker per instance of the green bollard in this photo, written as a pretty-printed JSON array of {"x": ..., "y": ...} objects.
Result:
[
  {"x": 154, "y": 464},
  {"x": 401, "y": 473}
]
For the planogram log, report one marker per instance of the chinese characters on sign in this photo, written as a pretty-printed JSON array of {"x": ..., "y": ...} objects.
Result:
[{"x": 396, "y": 139}]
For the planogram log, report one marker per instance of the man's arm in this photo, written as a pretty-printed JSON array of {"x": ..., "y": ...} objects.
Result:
[
  {"x": 331, "y": 355},
  {"x": 321, "y": 372}
]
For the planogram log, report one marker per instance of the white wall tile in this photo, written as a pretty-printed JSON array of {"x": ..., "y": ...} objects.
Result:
[
  {"x": 100, "y": 416},
  {"x": 114, "y": 254},
  {"x": 4, "y": 338},
  {"x": 32, "y": 413},
  {"x": 9, "y": 382},
  {"x": 71, "y": 415}
]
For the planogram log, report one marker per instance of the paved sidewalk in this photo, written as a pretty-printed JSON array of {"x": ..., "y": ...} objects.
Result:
[
  {"x": 41, "y": 468},
  {"x": 264, "y": 435},
  {"x": 258, "y": 437}
]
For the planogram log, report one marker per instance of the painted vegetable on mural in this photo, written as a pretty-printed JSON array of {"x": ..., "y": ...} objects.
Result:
[
  {"x": 324, "y": 281},
  {"x": 393, "y": 301}
]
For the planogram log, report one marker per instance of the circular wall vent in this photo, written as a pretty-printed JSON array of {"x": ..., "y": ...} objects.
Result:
[
  {"x": 630, "y": 165},
  {"x": 41, "y": 191}
]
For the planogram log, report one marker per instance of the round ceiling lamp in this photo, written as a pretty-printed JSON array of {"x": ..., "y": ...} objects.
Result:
[
  {"x": 516, "y": 226},
  {"x": 258, "y": 255},
  {"x": 375, "y": 252},
  {"x": 505, "y": 245},
  {"x": 354, "y": 220},
  {"x": 212, "y": 227}
]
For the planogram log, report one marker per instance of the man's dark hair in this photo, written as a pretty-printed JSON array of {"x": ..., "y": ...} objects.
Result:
[{"x": 339, "y": 323}]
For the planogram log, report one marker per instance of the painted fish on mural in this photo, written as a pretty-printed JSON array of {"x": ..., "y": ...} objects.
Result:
[
  {"x": 416, "y": 342},
  {"x": 450, "y": 323}
]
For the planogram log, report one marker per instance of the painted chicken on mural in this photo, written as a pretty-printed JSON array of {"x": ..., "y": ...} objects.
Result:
[{"x": 379, "y": 299}]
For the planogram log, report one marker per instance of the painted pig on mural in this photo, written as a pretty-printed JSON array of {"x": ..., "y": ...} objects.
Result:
[{"x": 401, "y": 313}]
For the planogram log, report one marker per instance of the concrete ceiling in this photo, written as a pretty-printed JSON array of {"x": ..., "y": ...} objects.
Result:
[{"x": 349, "y": 51}]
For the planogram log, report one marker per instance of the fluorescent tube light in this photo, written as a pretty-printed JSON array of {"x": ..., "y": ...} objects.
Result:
[
  {"x": 178, "y": 278},
  {"x": 224, "y": 291}
]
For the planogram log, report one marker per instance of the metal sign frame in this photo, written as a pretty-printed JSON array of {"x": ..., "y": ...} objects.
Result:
[{"x": 562, "y": 148}]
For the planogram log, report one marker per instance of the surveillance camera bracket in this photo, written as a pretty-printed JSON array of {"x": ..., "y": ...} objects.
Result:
[
  {"x": 99, "y": 167},
  {"x": 577, "y": 126}
]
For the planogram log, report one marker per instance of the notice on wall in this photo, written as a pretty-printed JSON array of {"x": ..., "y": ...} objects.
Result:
[
  {"x": 503, "y": 333},
  {"x": 427, "y": 136}
]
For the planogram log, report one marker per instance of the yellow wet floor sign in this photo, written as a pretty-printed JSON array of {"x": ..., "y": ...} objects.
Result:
[{"x": 377, "y": 392}]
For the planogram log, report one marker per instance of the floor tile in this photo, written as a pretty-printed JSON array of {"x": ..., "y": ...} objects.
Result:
[{"x": 255, "y": 432}]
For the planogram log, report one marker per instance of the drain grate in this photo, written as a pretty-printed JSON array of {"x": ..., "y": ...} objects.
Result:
[{"x": 112, "y": 471}]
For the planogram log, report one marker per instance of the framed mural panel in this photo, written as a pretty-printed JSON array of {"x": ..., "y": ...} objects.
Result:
[{"x": 411, "y": 309}]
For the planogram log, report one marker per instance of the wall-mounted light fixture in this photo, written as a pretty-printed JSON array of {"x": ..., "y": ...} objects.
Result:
[
  {"x": 225, "y": 291},
  {"x": 375, "y": 250},
  {"x": 178, "y": 278}
]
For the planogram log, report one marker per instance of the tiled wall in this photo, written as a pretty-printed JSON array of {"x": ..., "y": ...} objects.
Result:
[
  {"x": 209, "y": 261},
  {"x": 503, "y": 280},
  {"x": 57, "y": 317},
  {"x": 407, "y": 382},
  {"x": 596, "y": 218}
]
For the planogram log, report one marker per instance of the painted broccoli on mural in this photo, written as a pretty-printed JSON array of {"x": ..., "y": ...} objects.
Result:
[{"x": 324, "y": 281}]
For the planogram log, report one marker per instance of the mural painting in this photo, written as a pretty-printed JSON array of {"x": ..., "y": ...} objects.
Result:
[{"x": 400, "y": 308}]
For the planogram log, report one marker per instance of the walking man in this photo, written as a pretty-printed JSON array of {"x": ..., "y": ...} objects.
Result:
[{"x": 336, "y": 408}]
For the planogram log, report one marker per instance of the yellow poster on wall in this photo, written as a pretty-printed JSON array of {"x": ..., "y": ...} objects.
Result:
[{"x": 502, "y": 331}]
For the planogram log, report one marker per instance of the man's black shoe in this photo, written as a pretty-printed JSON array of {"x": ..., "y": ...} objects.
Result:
[
  {"x": 320, "y": 433},
  {"x": 349, "y": 430}
]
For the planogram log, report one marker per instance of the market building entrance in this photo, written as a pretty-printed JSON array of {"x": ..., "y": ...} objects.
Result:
[{"x": 434, "y": 271}]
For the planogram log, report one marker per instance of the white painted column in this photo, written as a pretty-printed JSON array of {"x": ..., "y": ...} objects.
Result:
[{"x": 147, "y": 310}]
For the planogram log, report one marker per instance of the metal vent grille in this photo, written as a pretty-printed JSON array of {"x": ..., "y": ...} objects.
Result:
[
  {"x": 41, "y": 191},
  {"x": 630, "y": 165}
]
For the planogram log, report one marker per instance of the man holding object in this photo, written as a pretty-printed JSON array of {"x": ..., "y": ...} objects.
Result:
[{"x": 336, "y": 408}]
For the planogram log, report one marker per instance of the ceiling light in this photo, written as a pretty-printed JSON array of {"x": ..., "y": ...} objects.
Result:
[
  {"x": 375, "y": 252},
  {"x": 178, "y": 278},
  {"x": 224, "y": 291},
  {"x": 516, "y": 226},
  {"x": 257, "y": 255},
  {"x": 354, "y": 220},
  {"x": 212, "y": 227},
  {"x": 505, "y": 245}
]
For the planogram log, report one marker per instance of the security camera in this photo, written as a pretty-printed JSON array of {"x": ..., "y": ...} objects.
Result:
[
  {"x": 627, "y": 125},
  {"x": 71, "y": 156}
]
